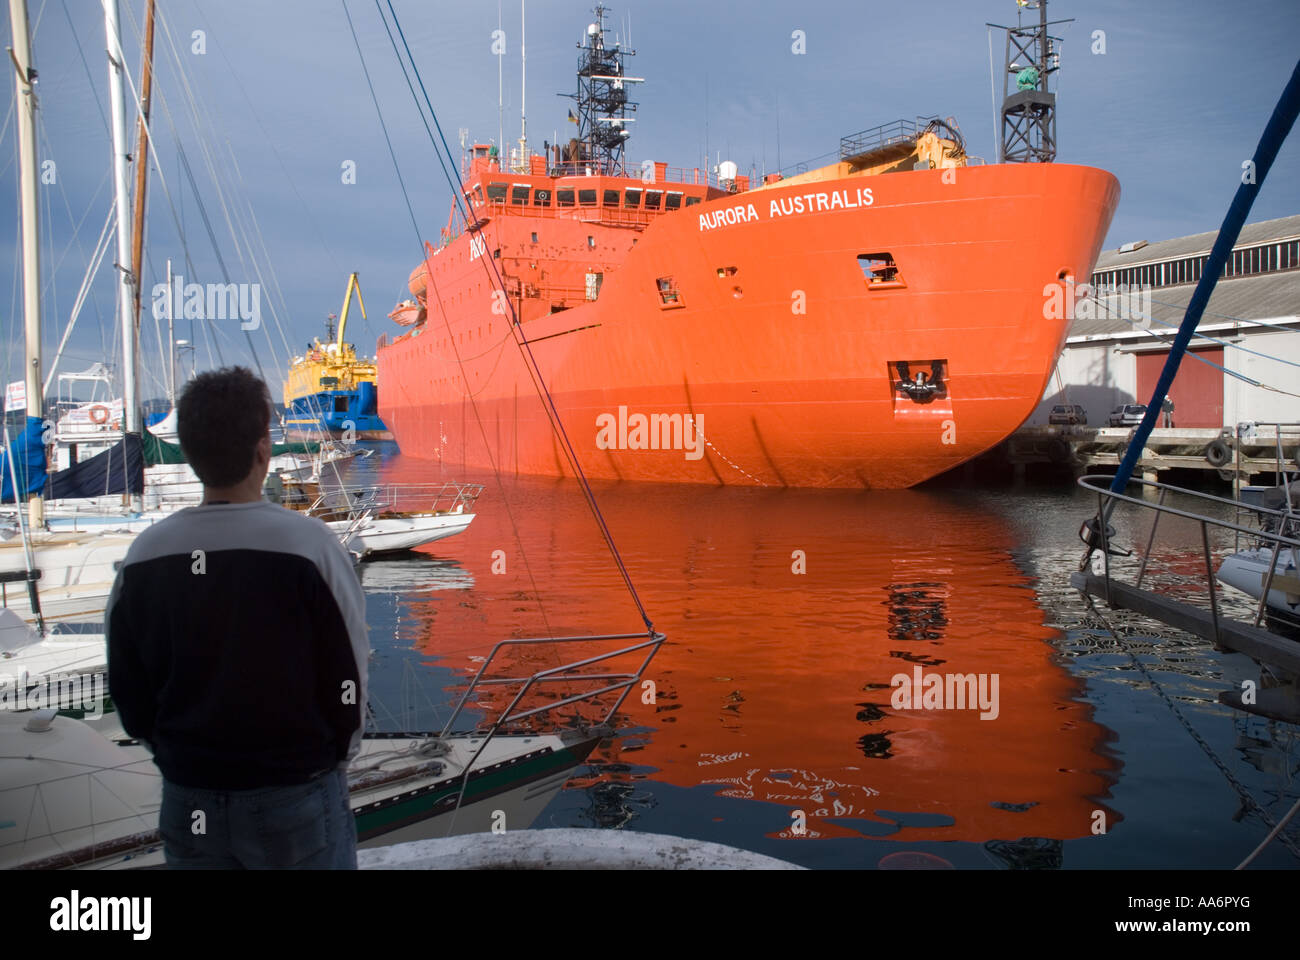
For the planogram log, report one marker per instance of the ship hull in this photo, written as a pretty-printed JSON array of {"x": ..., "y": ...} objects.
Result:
[
  {"x": 334, "y": 413},
  {"x": 772, "y": 360}
]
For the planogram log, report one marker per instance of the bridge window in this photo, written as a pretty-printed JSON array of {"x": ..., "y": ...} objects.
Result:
[
  {"x": 692, "y": 201},
  {"x": 496, "y": 192},
  {"x": 564, "y": 198},
  {"x": 672, "y": 201},
  {"x": 631, "y": 198},
  {"x": 587, "y": 198},
  {"x": 653, "y": 198},
  {"x": 610, "y": 198},
  {"x": 541, "y": 197},
  {"x": 519, "y": 195}
]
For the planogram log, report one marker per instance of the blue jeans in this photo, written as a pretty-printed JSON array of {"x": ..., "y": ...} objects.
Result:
[{"x": 307, "y": 826}]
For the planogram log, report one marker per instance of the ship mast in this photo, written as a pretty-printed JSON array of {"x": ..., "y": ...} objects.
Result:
[
  {"x": 1028, "y": 106},
  {"x": 603, "y": 104},
  {"x": 25, "y": 104},
  {"x": 523, "y": 93}
]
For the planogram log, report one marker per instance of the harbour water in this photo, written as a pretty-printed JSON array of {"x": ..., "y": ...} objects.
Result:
[{"x": 789, "y": 615}]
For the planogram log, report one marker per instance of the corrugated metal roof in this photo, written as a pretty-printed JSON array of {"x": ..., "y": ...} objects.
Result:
[
  {"x": 1282, "y": 228},
  {"x": 1268, "y": 296}
]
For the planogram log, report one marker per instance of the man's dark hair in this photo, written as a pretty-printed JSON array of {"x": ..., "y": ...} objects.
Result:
[{"x": 220, "y": 417}]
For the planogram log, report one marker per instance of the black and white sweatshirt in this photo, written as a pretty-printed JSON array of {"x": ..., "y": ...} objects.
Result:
[{"x": 237, "y": 647}]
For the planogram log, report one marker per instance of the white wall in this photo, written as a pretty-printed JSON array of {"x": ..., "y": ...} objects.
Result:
[
  {"x": 1093, "y": 375},
  {"x": 1103, "y": 374},
  {"x": 1241, "y": 401}
]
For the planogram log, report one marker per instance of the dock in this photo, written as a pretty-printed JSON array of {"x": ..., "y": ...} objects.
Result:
[
  {"x": 1225, "y": 633},
  {"x": 1080, "y": 448}
]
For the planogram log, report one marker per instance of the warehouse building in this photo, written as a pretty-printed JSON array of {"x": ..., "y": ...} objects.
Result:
[{"x": 1244, "y": 363}]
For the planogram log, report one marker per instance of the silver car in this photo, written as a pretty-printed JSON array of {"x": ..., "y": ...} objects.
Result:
[{"x": 1128, "y": 415}]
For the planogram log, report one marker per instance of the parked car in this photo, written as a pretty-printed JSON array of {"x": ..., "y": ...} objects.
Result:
[
  {"x": 1128, "y": 415},
  {"x": 1069, "y": 414}
]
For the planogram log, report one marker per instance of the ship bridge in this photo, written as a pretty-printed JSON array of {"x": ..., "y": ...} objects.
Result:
[{"x": 550, "y": 188}]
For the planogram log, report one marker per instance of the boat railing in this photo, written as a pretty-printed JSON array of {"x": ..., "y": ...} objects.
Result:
[
  {"x": 1278, "y": 531},
  {"x": 1285, "y": 435},
  {"x": 605, "y": 680},
  {"x": 447, "y": 497}
]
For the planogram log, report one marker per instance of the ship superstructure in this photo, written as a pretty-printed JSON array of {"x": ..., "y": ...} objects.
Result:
[{"x": 330, "y": 389}]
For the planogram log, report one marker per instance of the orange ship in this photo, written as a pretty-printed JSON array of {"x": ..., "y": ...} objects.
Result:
[{"x": 868, "y": 324}]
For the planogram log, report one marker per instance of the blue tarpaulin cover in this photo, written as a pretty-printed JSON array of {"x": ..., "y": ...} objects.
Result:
[{"x": 26, "y": 457}]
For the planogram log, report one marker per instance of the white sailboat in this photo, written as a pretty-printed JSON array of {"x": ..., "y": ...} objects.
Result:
[{"x": 68, "y": 570}]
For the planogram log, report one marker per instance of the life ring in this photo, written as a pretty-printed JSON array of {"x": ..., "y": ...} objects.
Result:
[
  {"x": 99, "y": 414},
  {"x": 1218, "y": 453}
]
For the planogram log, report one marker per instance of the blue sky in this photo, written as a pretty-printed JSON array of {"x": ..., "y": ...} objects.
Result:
[{"x": 1172, "y": 108}]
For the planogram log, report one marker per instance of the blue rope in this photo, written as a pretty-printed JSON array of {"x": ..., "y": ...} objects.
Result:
[{"x": 1279, "y": 125}]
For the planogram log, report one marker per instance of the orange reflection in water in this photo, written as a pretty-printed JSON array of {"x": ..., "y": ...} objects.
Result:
[{"x": 775, "y": 684}]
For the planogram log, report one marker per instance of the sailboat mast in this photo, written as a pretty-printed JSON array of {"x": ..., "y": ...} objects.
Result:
[
  {"x": 501, "y": 108},
  {"x": 25, "y": 105},
  {"x": 142, "y": 160},
  {"x": 122, "y": 194}
]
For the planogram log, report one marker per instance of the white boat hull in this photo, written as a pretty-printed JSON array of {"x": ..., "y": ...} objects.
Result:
[
  {"x": 1247, "y": 570},
  {"x": 77, "y": 573},
  {"x": 391, "y": 534},
  {"x": 71, "y": 797}
]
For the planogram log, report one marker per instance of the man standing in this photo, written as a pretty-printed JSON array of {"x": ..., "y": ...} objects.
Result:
[{"x": 237, "y": 652}]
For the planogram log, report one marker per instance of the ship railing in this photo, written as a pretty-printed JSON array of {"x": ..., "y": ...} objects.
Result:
[
  {"x": 691, "y": 175},
  {"x": 587, "y": 213},
  {"x": 887, "y": 134},
  {"x": 1277, "y": 532},
  {"x": 662, "y": 172}
]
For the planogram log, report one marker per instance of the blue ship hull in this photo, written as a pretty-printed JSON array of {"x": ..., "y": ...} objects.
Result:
[{"x": 334, "y": 411}]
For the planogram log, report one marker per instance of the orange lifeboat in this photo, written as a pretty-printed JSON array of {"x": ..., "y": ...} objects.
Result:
[{"x": 408, "y": 313}]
